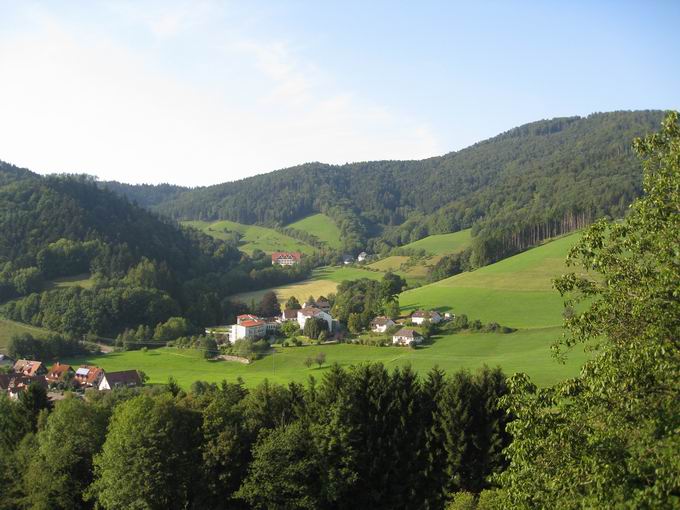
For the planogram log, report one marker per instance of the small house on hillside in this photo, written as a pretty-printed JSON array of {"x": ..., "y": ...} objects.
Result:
[
  {"x": 381, "y": 324},
  {"x": 29, "y": 367},
  {"x": 124, "y": 379},
  {"x": 289, "y": 315},
  {"x": 362, "y": 256},
  {"x": 59, "y": 372},
  {"x": 286, "y": 258},
  {"x": 323, "y": 304},
  {"x": 420, "y": 316},
  {"x": 406, "y": 336}
]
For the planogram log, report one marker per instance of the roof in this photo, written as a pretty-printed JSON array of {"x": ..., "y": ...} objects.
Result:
[
  {"x": 89, "y": 373},
  {"x": 58, "y": 370},
  {"x": 83, "y": 371},
  {"x": 323, "y": 302},
  {"x": 310, "y": 311},
  {"x": 252, "y": 324},
  {"x": 381, "y": 321},
  {"x": 124, "y": 378},
  {"x": 424, "y": 313},
  {"x": 290, "y": 314},
  {"x": 295, "y": 255},
  {"x": 247, "y": 316},
  {"x": 408, "y": 333},
  {"x": 14, "y": 382},
  {"x": 27, "y": 366}
]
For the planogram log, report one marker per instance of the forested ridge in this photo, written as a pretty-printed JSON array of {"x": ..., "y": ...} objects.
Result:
[
  {"x": 144, "y": 268},
  {"x": 536, "y": 181}
]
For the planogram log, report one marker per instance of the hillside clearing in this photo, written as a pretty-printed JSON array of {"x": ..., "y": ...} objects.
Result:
[
  {"x": 443, "y": 244},
  {"x": 254, "y": 237},
  {"x": 10, "y": 328},
  {"x": 321, "y": 226}
]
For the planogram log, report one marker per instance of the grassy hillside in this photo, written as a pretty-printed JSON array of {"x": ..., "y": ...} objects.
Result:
[
  {"x": 443, "y": 244},
  {"x": 515, "y": 292},
  {"x": 84, "y": 281},
  {"x": 324, "y": 281},
  {"x": 253, "y": 236},
  {"x": 322, "y": 227},
  {"x": 525, "y": 351},
  {"x": 11, "y": 328}
]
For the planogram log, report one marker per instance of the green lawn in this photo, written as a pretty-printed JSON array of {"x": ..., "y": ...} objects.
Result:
[
  {"x": 10, "y": 328},
  {"x": 254, "y": 236},
  {"x": 324, "y": 281},
  {"x": 525, "y": 351},
  {"x": 442, "y": 244},
  {"x": 514, "y": 292},
  {"x": 392, "y": 263},
  {"x": 322, "y": 227}
]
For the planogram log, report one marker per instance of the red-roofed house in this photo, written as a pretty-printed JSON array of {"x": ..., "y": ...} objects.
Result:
[
  {"x": 59, "y": 372},
  {"x": 286, "y": 258},
  {"x": 89, "y": 376},
  {"x": 29, "y": 367},
  {"x": 248, "y": 329}
]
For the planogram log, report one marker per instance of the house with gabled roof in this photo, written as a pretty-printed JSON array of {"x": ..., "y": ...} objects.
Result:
[
  {"x": 59, "y": 372},
  {"x": 381, "y": 324},
  {"x": 420, "y": 316},
  {"x": 286, "y": 258},
  {"x": 88, "y": 376},
  {"x": 29, "y": 367},
  {"x": 123, "y": 379},
  {"x": 306, "y": 313},
  {"x": 407, "y": 336}
]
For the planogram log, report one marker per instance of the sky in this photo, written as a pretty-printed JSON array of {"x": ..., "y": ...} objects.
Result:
[{"x": 201, "y": 92}]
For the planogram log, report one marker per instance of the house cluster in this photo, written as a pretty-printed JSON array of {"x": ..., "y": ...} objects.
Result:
[
  {"x": 286, "y": 258},
  {"x": 26, "y": 372},
  {"x": 408, "y": 336},
  {"x": 252, "y": 326}
]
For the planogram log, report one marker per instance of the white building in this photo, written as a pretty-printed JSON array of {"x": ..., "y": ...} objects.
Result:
[
  {"x": 248, "y": 329},
  {"x": 285, "y": 258},
  {"x": 306, "y": 313},
  {"x": 381, "y": 324},
  {"x": 124, "y": 379},
  {"x": 420, "y": 316},
  {"x": 362, "y": 256},
  {"x": 406, "y": 337}
]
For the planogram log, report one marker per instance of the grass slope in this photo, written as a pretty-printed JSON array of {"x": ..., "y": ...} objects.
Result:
[
  {"x": 525, "y": 351},
  {"x": 322, "y": 227},
  {"x": 10, "y": 328},
  {"x": 253, "y": 236},
  {"x": 515, "y": 292},
  {"x": 324, "y": 281},
  {"x": 443, "y": 244},
  {"x": 81, "y": 280}
]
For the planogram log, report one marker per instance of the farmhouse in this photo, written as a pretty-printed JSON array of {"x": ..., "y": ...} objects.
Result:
[
  {"x": 407, "y": 336},
  {"x": 381, "y": 324},
  {"x": 286, "y": 258},
  {"x": 29, "y": 367},
  {"x": 59, "y": 372},
  {"x": 14, "y": 384},
  {"x": 124, "y": 379},
  {"x": 306, "y": 313},
  {"x": 420, "y": 316},
  {"x": 89, "y": 376},
  {"x": 362, "y": 256},
  {"x": 289, "y": 315}
]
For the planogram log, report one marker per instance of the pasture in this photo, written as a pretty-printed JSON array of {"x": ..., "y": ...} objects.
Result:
[
  {"x": 522, "y": 351},
  {"x": 514, "y": 292},
  {"x": 254, "y": 237},
  {"x": 443, "y": 244},
  {"x": 10, "y": 328},
  {"x": 322, "y": 227}
]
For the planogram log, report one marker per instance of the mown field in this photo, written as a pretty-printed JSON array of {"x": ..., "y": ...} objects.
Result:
[
  {"x": 322, "y": 227},
  {"x": 253, "y": 236},
  {"x": 442, "y": 244},
  {"x": 324, "y": 281},
  {"x": 525, "y": 351},
  {"x": 514, "y": 292},
  {"x": 10, "y": 328}
]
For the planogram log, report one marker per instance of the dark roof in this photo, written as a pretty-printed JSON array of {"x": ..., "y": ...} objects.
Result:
[
  {"x": 409, "y": 333},
  {"x": 380, "y": 321},
  {"x": 290, "y": 314},
  {"x": 310, "y": 311},
  {"x": 124, "y": 378}
]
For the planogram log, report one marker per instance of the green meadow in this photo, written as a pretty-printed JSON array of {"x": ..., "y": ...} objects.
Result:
[
  {"x": 322, "y": 227},
  {"x": 10, "y": 328},
  {"x": 525, "y": 351},
  {"x": 514, "y": 292},
  {"x": 254, "y": 237},
  {"x": 81, "y": 280},
  {"x": 443, "y": 244}
]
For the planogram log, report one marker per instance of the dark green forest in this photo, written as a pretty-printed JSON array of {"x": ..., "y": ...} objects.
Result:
[
  {"x": 527, "y": 184},
  {"x": 145, "y": 268}
]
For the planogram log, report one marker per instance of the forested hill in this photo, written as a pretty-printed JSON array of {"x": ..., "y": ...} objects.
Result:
[{"x": 534, "y": 181}]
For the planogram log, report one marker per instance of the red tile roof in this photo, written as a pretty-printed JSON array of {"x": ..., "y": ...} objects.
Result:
[
  {"x": 295, "y": 255},
  {"x": 28, "y": 367},
  {"x": 252, "y": 324}
]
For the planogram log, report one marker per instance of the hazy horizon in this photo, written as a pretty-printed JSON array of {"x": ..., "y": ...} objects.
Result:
[{"x": 200, "y": 93}]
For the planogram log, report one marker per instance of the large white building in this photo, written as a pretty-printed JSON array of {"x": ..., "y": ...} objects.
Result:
[
  {"x": 421, "y": 316},
  {"x": 251, "y": 326},
  {"x": 286, "y": 258},
  {"x": 407, "y": 337},
  {"x": 309, "y": 312}
]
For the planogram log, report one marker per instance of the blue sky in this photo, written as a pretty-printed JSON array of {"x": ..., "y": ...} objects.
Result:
[{"x": 203, "y": 92}]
